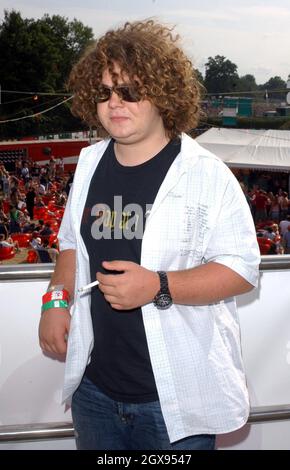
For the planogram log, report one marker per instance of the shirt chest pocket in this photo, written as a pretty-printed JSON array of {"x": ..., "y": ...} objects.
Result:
[{"x": 177, "y": 231}]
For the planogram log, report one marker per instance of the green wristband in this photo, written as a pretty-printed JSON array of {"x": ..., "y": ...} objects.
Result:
[{"x": 54, "y": 304}]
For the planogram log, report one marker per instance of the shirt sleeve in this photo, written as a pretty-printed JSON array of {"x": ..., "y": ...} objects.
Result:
[
  {"x": 66, "y": 234},
  {"x": 233, "y": 241}
]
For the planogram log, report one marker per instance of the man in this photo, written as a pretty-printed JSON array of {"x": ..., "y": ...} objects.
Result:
[
  {"x": 153, "y": 352},
  {"x": 30, "y": 200},
  {"x": 47, "y": 230},
  {"x": 60, "y": 166},
  {"x": 8, "y": 243},
  {"x": 286, "y": 241},
  {"x": 284, "y": 224}
]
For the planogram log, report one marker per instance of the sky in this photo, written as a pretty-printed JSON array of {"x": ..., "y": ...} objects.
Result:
[{"x": 254, "y": 34}]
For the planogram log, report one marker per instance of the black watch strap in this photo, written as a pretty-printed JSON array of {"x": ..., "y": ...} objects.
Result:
[
  {"x": 164, "y": 289},
  {"x": 163, "y": 299}
]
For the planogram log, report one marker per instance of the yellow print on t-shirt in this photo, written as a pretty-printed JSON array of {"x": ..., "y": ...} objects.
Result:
[{"x": 127, "y": 222}]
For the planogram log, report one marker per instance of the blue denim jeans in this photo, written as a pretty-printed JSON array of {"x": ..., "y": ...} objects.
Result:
[{"x": 104, "y": 424}]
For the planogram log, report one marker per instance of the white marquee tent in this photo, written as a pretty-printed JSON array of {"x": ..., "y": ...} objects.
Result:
[{"x": 249, "y": 148}]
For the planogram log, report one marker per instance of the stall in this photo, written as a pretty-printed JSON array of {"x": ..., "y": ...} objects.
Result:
[{"x": 256, "y": 149}]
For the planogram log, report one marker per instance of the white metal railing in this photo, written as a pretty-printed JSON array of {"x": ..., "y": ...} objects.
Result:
[
  {"x": 259, "y": 348},
  {"x": 44, "y": 270},
  {"x": 64, "y": 430}
]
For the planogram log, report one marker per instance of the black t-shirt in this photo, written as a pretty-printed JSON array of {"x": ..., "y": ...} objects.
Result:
[
  {"x": 30, "y": 196},
  {"x": 113, "y": 222}
]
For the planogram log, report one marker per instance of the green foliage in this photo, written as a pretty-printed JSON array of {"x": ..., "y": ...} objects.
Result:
[
  {"x": 275, "y": 83},
  {"x": 275, "y": 87},
  {"x": 286, "y": 125},
  {"x": 261, "y": 123},
  {"x": 247, "y": 83},
  {"x": 199, "y": 76},
  {"x": 220, "y": 75},
  {"x": 37, "y": 55}
]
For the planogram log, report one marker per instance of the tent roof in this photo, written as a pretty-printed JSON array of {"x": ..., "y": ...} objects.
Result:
[{"x": 249, "y": 148}]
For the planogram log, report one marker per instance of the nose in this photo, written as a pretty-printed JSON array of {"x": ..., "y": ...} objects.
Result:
[{"x": 115, "y": 100}]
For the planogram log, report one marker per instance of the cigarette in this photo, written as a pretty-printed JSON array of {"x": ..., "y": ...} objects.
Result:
[{"x": 88, "y": 286}]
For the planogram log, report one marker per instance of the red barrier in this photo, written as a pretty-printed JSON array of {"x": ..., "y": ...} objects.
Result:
[
  {"x": 32, "y": 256},
  {"x": 6, "y": 252},
  {"x": 39, "y": 212},
  {"x": 22, "y": 238},
  {"x": 267, "y": 246}
]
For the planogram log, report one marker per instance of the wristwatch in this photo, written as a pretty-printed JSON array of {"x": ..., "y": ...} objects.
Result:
[{"x": 163, "y": 299}]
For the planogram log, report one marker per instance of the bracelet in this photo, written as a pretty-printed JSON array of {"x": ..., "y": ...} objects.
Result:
[
  {"x": 54, "y": 304},
  {"x": 53, "y": 287},
  {"x": 55, "y": 295}
]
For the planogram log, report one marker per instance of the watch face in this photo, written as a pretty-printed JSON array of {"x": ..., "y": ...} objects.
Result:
[{"x": 163, "y": 301}]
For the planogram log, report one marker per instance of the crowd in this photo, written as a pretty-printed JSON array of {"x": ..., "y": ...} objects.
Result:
[
  {"x": 33, "y": 197},
  {"x": 270, "y": 208},
  {"x": 32, "y": 202}
]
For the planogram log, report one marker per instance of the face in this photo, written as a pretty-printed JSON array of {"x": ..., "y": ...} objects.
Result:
[{"x": 126, "y": 122}]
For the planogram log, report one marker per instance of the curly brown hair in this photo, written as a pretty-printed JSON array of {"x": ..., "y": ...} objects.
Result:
[{"x": 148, "y": 50}]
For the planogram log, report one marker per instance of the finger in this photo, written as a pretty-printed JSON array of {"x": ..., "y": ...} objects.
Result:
[
  {"x": 59, "y": 349},
  {"x": 60, "y": 346},
  {"x": 117, "y": 265},
  {"x": 57, "y": 346},
  {"x": 107, "y": 289},
  {"x": 112, "y": 299},
  {"x": 46, "y": 348},
  {"x": 106, "y": 279},
  {"x": 117, "y": 306}
]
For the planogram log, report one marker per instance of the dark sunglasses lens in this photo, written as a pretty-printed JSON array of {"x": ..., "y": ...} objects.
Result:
[
  {"x": 127, "y": 93},
  {"x": 103, "y": 94}
]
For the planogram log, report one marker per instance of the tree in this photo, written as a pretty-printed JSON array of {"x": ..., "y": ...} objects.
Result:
[
  {"x": 275, "y": 87},
  {"x": 275, "y": 83},
  {"x": 14, "y": 42},
  {"x": 69, "y": 39},
  {"x": 37, "y": 56},
  {"x": 199, "y": 76},
  {"x": 220, "y": 75},
  {"x": 247, "y": 83}
]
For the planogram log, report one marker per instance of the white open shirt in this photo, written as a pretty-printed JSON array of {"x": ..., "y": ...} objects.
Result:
[{"x": 199, "y": 215}]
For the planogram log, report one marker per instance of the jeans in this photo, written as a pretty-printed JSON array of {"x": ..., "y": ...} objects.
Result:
[{"x": 104, "y": 424}]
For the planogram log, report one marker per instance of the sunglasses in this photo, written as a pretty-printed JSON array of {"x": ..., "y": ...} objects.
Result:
[{"x": 125, "y": 93}]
